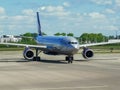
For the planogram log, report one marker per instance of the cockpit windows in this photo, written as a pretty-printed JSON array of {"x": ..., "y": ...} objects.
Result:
[{"x": 72, "y": 42}]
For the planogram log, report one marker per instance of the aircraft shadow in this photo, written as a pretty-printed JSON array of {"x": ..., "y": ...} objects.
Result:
[
  {"x": 82, "y": 60},
  {"x": 54, "y": 61},
  {"x": 23, "y": 60},
  {"x": 42, "y": 60},
  {"x": 13, "y": 60}
]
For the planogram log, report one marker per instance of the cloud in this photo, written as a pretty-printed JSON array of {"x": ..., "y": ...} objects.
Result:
[
  {"x": 64, "y": 20},
  {"x": 3, "y": 17},
  {"x": 2, "y": 10},
  {"x": 17, "y": 18},
  {"x": 109, "y": 27},
  {"x": 103, "y": 2},
  {"x": 97, "y": 15},
  {"x": 17, "y": 24},
  {"x": 28, "y": 12},
  {"x": 117, "y": 2},
  {"x": 109, "y": 11},
  {"x": 54, "y": 10},
  {"x": 66, "y": 4}
]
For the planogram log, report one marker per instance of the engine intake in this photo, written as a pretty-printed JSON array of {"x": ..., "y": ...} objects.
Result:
[
  {"x": 28, "y": 54},
  {"x": 87, "y": 53}
]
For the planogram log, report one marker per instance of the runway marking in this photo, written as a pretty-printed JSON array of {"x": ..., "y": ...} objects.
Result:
[{"x": 61, "y": 88}]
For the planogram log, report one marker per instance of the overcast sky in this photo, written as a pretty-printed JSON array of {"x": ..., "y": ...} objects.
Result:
[{"x": 76, "y": 16}]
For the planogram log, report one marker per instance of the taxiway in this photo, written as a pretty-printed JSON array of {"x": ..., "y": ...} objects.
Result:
[{"x": 102, "y": 72}]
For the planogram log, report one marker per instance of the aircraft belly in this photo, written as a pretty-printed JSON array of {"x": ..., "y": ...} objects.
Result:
[
  {"x": 59, "y": 50},
  {"x": 68, "y": 51}
]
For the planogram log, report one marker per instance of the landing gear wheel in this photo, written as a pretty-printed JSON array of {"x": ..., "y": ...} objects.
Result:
[
  {"x": 69, "y": 59},
  {"x": 36, "y": 59}
]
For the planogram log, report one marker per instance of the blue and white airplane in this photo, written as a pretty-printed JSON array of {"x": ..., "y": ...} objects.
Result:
[{"x": 56, "y": 45}]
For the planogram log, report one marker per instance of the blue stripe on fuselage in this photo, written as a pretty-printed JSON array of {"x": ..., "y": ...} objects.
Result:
[{"x": 49, "y": 40}]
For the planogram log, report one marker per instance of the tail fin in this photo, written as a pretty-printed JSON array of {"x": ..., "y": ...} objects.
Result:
[{"x": 39, "y": 26}]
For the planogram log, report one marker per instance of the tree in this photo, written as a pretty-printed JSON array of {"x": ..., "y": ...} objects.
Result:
[
  {"x": 43, "y": 33},
  {"x": 70, "y": 34},
  {"x": 57, "y": 34},
  {"x": 63, "y": 34},
  {"x": 28, "y": 38},
  {"x": 84, "y": 37},
  {"x": 111, "y": 37},
  {"x": 92, "y": 37},
  {"x": 27, "y": 34},
  {"x": 60, "y": 34}
]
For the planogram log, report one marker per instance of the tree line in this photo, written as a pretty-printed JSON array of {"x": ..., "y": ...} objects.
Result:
[{"x": 84, "y": 38}]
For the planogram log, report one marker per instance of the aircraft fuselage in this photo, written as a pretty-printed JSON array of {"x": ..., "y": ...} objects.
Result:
[{"x": 59, "y": 45}]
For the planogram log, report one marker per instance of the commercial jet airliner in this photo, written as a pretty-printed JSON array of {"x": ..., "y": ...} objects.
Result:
[{"x": 56, "y": 45}]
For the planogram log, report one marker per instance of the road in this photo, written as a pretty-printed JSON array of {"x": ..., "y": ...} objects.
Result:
[{"x": 101, "y": 72}]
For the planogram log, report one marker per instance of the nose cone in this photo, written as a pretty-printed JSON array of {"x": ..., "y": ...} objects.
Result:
[
  {"x": 74, "y": 49},
  {"x": 76, "y": 46},
  {"x": 73, "y": 45}
]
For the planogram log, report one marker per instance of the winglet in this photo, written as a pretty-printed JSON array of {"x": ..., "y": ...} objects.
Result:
[{"x": 39, "y": 25}]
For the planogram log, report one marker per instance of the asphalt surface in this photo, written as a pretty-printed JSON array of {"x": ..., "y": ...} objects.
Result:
[{"x": 102, "y": 72}]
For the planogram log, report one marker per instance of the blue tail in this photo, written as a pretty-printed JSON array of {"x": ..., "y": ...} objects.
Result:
[{"x": 39, "y": 26}]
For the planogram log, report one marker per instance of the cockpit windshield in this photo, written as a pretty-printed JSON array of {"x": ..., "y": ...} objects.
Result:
[{"x": 72, "y": 42}]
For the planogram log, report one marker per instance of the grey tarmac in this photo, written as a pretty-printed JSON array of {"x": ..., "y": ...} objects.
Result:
[{"x": 102, "y": 72}]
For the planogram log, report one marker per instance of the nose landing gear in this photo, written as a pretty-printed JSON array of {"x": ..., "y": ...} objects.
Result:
[{"x": 69, "y": 59}]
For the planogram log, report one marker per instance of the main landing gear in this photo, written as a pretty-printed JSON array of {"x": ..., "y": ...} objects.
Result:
[
  {"x": 37, "y": 58},
  {"x": 69, "y": 59}
]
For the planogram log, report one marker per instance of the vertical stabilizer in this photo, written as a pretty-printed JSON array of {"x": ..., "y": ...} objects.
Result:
[{"x": 39, "y": 26}]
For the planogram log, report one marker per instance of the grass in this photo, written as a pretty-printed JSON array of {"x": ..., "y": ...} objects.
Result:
[
  {"x": 11, "y": 49},
  {"x": 114, "y": 48}
]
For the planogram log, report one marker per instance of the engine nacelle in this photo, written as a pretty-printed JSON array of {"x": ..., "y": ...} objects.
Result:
[
  {"x": 28, "y": 53},
  {"x": 87, "y": 53}
]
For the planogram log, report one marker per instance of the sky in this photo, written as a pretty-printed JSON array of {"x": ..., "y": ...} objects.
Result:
[{"x": 69, "y": 16}]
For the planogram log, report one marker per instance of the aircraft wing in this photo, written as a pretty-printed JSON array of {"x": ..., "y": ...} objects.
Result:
[
  {"x": 96, "y": 44},
  {"x": 25, "y": 45}
]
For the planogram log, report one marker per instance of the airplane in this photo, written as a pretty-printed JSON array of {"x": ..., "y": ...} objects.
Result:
[{"x": 56, "y": 45}]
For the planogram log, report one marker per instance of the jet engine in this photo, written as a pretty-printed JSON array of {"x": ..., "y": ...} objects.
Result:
[
  {"x": 87, "y": 53},
  {"x": 28, "y": 53}
]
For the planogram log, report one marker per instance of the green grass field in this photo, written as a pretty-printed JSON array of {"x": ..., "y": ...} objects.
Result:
[
  {"x": 11, "y": 49},
  {"x": 113, "y": 48}
]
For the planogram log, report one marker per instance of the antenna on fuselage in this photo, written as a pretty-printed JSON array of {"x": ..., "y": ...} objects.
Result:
[{"x": 39, "y": 25}]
